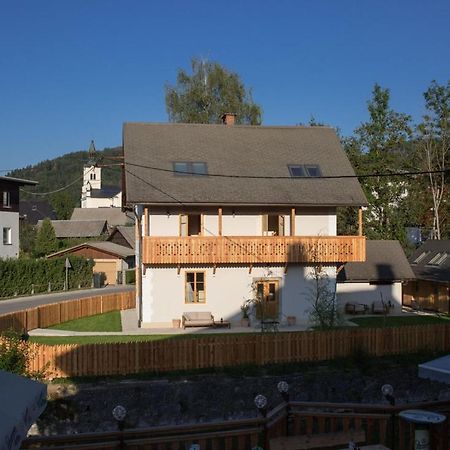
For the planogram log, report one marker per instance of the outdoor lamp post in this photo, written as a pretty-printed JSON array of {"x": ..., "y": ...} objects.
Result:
[
  {"x": 283, "y": 389},
  {"x": 261, "y": 404},
  {"x": 388, "y": 393},
  {"x": 119, "y": 413}
]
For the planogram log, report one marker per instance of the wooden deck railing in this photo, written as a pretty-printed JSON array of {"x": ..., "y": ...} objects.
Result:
[
  {"x": 253, "y": 249},
  {"x": 380, "y": 423}
]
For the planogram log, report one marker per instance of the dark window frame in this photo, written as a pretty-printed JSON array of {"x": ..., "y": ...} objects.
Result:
[
  {"x": 190, "y": 171},
  {"x": 305, "y": 170}
]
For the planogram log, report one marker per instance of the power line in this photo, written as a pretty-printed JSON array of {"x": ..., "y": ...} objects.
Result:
[
  {"x": 267, "y": 177},
  {"x": 60, "y": 189},
  {"x": 206, "y": 229}
]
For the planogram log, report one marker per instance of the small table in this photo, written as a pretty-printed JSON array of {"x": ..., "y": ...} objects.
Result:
[
  {"x": 222, "y": 324},
  {"x": 269, "y": 325}
]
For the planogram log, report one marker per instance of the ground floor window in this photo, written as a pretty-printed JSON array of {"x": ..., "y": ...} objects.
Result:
[
  {"x": 195, "y": 287},
  {"x": 7, "y": 236}
]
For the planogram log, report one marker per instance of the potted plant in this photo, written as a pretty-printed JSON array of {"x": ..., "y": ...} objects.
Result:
[{"x": 245, "y": 321}]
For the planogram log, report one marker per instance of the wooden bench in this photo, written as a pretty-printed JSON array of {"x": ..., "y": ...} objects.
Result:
[{"x": 321, "y": 440}]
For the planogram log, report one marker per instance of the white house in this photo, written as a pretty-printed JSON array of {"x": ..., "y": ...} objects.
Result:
[
  {"x": 380, "y": 279},
  {"x": 9, "y": 215},
  {"x": 93, "y": 193},
  {"x": 228, "y": 213}
]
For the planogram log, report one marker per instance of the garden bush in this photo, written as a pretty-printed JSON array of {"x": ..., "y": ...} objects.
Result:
[{"x": 21, "y": 276}]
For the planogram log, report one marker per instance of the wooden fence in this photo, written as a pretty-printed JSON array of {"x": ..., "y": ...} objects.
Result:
[
  {"x": 54, "y": 313},
  {"x": 189, "y": 353},
  {"x": 379, "y": 423}
]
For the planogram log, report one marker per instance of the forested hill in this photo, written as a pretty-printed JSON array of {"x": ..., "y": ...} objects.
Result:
[{"x": 54, "y": 174}]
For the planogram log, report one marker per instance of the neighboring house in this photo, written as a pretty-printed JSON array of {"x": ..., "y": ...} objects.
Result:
[
  {"x": 125, "y": 236},
  {"x": 110, "y": 259},
  {"x": 93, "y": 193},
  {"x": 9, "y": 215},
  {"x": 65, "y": 229},
  {"x": 431, "y": 266},
  {"x": 212, "y": 242},
  {"x": 32, "y": 211},
  {"x": 114, "y": 216},
  {"x": 379, "y": 279}
]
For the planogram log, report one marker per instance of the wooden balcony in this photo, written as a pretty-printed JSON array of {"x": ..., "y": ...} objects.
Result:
[{"x": 252, "y": 249}]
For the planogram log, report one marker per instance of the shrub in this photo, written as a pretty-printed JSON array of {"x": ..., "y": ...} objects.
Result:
[
  {"x": 18, "y": 276},
  {"x": 130, "y": 276}
]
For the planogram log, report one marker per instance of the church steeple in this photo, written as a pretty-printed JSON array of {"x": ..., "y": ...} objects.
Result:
[{"x": 92, "y": 154}]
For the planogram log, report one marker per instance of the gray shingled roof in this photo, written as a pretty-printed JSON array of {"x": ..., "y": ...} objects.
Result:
[
  {"x": 105, "y": 192},
  {"x": 19, "y": 181},
  {"x": 127, "y": 232},
  {"x": 114, "y": 216},
  {"x": 385, "y": 261},
  {"x": 236, "y": 150},
  {"x": 109, "y": 247},
  {"x": 78, "y": 228},
  {"x": 423, "y": 269}
]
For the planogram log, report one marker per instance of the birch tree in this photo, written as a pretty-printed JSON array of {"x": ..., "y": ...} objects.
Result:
[{"x": 434, "y": 148}]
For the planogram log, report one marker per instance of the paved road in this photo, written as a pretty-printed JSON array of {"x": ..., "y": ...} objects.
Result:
[{"x": 19, "y": 303}]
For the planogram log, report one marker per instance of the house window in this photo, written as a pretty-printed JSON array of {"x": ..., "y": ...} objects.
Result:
[
  {"x": 438, "y": 259},
  {"x": 6, "y": 199},
  {"x": 195, "y": 287},
  {"x": 190, "y": 225},
  {"x": 420, "y": 257},
  {"x": 7, "y": 236},
  {"x": 273, "y": 225},
  {"x": 304, "y": 170},
  {"x": 92, "y": 176},
  {"x": 190, "y": 168}
]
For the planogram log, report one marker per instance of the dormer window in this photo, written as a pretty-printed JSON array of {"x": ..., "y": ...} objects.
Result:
[
  {"x": 304, "y": 170},
  {"x": 190, "y": 168}
]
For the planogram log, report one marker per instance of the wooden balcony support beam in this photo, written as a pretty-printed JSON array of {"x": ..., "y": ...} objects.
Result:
[
  {"x": 360, "y": 221},
  {"x": 219, "y": 217},
  {"x": 292, "y": 224}
]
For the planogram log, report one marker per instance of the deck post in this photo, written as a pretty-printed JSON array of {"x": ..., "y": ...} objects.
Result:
[{"x": 360, "y": 221}]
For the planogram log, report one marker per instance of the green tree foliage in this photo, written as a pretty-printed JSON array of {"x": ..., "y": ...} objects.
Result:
[
  {"x": 27, "y": 238},
  {"x": 63, "y": 205},
  {"x": 46, "y": 241},
  {"x": 378, "y": 146},
  {"x": 433, "y": 149},
  {"x": 59, "y": 172},
  {"x": 21, "y": 276},
  {"x": 209, "y": 92}
]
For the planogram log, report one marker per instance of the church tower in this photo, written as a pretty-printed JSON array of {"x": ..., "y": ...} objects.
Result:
[{"x": 92, "y": 176}]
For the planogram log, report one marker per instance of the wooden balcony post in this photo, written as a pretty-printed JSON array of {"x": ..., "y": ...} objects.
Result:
[
  {"x": 146, "y": 222},
  {"x": 292, "y": 222},
  {"x": 360, "y": 221},
  {"x": 219, "y": 216}
]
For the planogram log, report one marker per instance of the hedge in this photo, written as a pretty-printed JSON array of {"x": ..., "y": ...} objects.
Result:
[{"x": 26, "y": 275}]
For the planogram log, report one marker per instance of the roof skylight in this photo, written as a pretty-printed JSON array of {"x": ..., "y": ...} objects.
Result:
[
  {"x": 438, "y": 259},
  {"x": 190, "y": 168},
  {"x": 304, "y": 170},
  {"x": 420, "y": 257}
]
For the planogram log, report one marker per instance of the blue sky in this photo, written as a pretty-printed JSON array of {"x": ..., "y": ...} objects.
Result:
[{"x": 72, "y": 71}]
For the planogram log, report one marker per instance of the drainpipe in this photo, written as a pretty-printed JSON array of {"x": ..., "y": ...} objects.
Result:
[{"x": 138, "y": 254}]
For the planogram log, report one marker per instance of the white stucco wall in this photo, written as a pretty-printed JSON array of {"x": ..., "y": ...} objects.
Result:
[
  {"x": 91, "y": 202},
  {"x": 320, "y": 222},
  {"x": 9, "y": 220},
  {"x": 226, "y": 291},
  {"x": 366, "y": 294},
  {"x": 164, "y": 225}
]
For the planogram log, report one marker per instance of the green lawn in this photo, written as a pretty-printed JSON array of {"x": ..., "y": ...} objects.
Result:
[
  {"x": 56, "y": 340},
  {"x": 101, "y": 322},
  {"x": 398, "y": 321}
]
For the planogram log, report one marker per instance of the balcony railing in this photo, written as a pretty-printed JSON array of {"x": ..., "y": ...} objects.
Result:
[{"x": 253, "y": 249}]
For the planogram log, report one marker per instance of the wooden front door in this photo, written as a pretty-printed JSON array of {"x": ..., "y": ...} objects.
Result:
[{"x": 267, "y": 293}]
